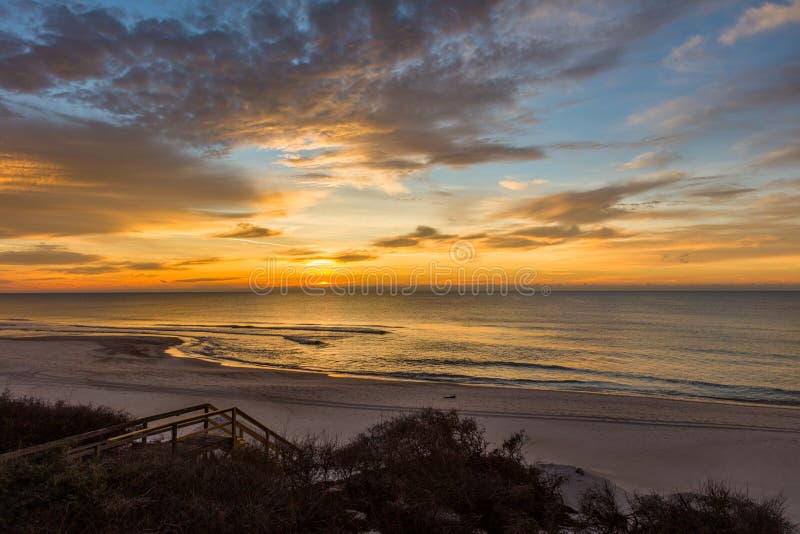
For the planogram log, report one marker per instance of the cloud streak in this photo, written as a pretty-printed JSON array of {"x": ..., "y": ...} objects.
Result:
[
  {"x": 248, "y": 230},
  {"x": 415, "y": 238},
  {"x": 519, "y": 185},
  {"x": 687, "y": 57},
  {"x": 761, "y": 19},
  {"x": 651, "y": 160},
  {"x": 45, "y": 254},
  {"x": 583, "y": 207}
]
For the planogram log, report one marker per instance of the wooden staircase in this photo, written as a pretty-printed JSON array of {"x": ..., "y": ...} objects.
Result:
[{"x": 199, "y": 428}]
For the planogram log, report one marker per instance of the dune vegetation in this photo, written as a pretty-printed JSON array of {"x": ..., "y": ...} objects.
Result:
[{"x": 428, "y": 471}]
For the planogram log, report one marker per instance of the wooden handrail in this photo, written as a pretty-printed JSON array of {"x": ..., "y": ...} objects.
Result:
[
  {"x": 160, "y": 428},
  {"x": 268, "y": 432},
  {"x": 73, "y": 441},
  {"x": 233, "y": 417}
]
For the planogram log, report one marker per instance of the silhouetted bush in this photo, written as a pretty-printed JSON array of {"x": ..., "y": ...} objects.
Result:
[
  {"x": 713, "y": 509},
  {"x": 433, "y": 471},
  {"x": 26, "y": 421}
]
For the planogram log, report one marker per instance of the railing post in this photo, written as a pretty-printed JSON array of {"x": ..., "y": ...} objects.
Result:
[
  {"x": 144, "y": 438},
  {"x": 233, "y": 427},
  {"x": 205, "y": 421},
  {"x": 174, "y": 437}
]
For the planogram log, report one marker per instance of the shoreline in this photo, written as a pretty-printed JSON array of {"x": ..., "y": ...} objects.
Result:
[
  {"x": 159, "y": 346},
  {"x": 639, "y": 442},
  {"x": 172, "y": 342}
]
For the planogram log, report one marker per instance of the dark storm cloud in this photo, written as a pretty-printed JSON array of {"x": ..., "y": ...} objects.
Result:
[
  {"x": 384, "y": 86},
  {"x": 67, "y": 179}
]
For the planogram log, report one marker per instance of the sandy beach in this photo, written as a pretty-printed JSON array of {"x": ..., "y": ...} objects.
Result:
[{"x": 640, "y": 443}]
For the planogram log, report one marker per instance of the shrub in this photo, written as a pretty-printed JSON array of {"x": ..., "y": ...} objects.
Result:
[
  {"x": 433, "y": 471},
  {"x": 26, "y": 421},
  {"x": 713, "y": 509}
]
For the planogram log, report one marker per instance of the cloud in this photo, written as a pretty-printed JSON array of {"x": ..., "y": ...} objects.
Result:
[
  {"x": 787, "y": 155},
  {"x": 724, "y": 193},
  {"x": 248, "y": 230},
  {"x": 550, "y": 235},
  {"x": 306, "y": 254},
  {"x": 755, "y": 89},
  {"x": 143, "y": 265},
  {"x": 516, "y": 185},
  {"x": 745, "y": 250},
  {"x": 353, "y": 256},
  {"x": 687, "y": 57},
  {"x": 93, "y": 264},
  {"x": 45, "y": 254},
  {"x": 201, "y": 261},
  {"x": 5, "y": 112},
  {"x": 207, "y": 279},
  {"x": 513, "y": 241},
  {"x": 367, "y": 93},
  {"x": 93, "y": 178},
  {"x": 651, "y": 159},
  {"x": 582, "y": 207},
  {"x": 88, "y": 270},
  {"x": 570, "y": 232},
  {"x": 300, "y": 251},
  {"x": 760, "y": 19},
  {"x": 413, "y": 239},
  {"x": 596, "y": 145}
]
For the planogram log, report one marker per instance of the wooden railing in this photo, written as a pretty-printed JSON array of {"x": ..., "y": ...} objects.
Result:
[{"x": 211, "y": 429}]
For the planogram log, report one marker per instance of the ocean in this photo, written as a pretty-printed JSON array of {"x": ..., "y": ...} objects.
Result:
[{"x": 731, "y": 346}]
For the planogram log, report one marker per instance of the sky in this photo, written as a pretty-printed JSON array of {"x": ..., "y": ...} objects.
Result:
[{"x": 600, "y": 144}]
